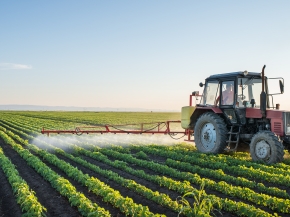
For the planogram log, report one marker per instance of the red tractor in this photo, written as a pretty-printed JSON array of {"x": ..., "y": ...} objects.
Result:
[{"x": 237, "y": 108}]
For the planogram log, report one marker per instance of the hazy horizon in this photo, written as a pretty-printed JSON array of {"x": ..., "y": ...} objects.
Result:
[{"x": 16, "y": 107}]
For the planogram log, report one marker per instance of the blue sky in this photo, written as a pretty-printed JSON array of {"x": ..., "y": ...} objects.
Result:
[{"x": 135, "y": 54}]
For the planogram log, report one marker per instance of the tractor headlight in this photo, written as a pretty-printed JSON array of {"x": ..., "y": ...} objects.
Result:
[{"x": 245, "y": 73}]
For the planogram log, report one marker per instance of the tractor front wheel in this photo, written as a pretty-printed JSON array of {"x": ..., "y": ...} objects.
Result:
[
  {"x": 266, "y": 147},
  {"x": 210, "y": 133}
]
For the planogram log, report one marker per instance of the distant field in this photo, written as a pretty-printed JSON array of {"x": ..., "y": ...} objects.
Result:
[
  {"x": 101, "y": 117},
  {"x": 124, "y": 175}
]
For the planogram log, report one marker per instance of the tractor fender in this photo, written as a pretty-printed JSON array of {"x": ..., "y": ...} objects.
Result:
[{"x": 199, "y": 111}]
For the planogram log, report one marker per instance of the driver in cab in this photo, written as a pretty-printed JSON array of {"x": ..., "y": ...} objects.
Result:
[{"x": 227, "y": 95}]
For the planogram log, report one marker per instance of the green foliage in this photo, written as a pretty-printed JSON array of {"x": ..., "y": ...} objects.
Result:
[
  {"x": 142, "y": 155},
  {"x": 24, "y": 196},
  {"x": 62, "y": 185},
  {"x": 202, "y": 205}
]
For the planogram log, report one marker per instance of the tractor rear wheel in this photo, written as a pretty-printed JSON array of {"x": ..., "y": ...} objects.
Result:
[
  {"x": 210, "y": 133},
  {"x": 266, "y": 147}
]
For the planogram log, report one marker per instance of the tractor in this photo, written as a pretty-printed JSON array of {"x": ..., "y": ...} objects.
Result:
[{"x": 236, "y": 108}]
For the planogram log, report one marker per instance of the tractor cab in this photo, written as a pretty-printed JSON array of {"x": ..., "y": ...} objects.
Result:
[{"x": 233, "y": 93}]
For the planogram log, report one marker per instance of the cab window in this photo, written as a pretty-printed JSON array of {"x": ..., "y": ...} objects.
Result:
[
  {"x": 210, "y": 92},
  {"x": 227, "y": 93},
  {"x": 249, "y": 89}
]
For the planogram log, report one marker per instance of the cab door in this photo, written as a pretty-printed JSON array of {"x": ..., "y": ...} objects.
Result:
[{"x": 227, "y": 100}]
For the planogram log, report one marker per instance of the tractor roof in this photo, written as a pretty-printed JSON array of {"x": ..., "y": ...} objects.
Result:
[{"x": 235, "y": 74}]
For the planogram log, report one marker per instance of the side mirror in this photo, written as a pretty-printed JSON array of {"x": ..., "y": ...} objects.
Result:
[
  {"x": 281, "y": 86},
  {"x": 201, "y": 84}
]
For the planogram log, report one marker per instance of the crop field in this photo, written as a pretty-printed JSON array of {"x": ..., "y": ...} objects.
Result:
[{"x": 127, "y": 175}]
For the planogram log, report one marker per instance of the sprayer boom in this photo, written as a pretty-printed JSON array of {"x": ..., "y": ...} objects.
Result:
[{"x": 149, "y": 128}]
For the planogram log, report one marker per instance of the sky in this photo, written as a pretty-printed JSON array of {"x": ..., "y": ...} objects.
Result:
[{"x": 135, "y": 54}]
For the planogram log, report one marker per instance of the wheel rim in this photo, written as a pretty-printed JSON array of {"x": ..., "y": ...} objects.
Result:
[
  {"x": 208, "y": 136},
  {"x": 263, "y": 150}
]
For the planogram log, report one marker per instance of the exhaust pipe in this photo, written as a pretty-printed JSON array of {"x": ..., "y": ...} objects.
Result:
[{"x": 263, "y": 96}]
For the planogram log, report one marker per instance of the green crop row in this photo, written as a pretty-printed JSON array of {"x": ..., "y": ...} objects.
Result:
[
  {"x": 39, "y": 123},
  {"x": 240, "y": 205},
  {"x": 280, "y": 168},
  {"x": 209, "y": 161},
  {"x": 157, "y": 197},
  {"x": 24, "y": 196},
  {"x": 65, "y": 188},
  {"x": 162, "y": 199},
  {"x": 126, "y": 205},
  {"x": 219, "y": 174},
  {"x": 231, "y": 206},
  {"x": 277, "y": 204},
  {"x": 183, "y": 187},
  {"x": 69, "y": 120},
  {"x": 232, "y": 161},
  {"x": 93, "y": 118}
]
